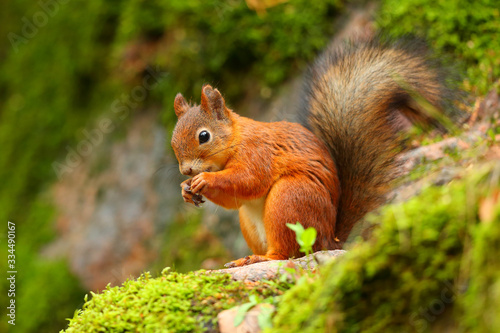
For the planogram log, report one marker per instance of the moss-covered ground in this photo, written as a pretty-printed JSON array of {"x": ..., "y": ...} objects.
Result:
[{"x": 172, "y": 302}]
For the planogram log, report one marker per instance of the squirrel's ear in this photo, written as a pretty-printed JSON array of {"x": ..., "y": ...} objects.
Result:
[
  {"x": 180, "y": 105},
  {"x": 213, "y": 102}
]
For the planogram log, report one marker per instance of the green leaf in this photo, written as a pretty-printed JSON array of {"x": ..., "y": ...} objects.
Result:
[
  {"x": 265, "y": 316},
  {"x": 298, "y": 228},
  {"x": 242, "y": 311},
  {"x": 309, "y": 237},
  {"x": 305, "y": 238}
]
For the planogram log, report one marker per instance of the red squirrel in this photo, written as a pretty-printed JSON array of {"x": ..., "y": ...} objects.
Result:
[{"x": 327, "y": 173}]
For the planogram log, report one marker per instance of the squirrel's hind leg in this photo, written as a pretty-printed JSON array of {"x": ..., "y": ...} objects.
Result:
[
  {"x": 294, "y": 199},
  {"x": 302, "y": 199}
]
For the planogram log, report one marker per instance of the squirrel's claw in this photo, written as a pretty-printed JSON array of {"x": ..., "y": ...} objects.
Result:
[
  {"x": 197, "y": 200},
  {"x": 248, "y": 260},
  {"x": 190, "y": 197},
  {"x": 198, "y": 184}
]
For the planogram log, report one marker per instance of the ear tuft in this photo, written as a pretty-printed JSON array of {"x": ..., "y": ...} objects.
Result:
[
  {"x": 180, "y": 105},
  {"x": 213, "y": 102},
  {"x": 206, "y": 97}
]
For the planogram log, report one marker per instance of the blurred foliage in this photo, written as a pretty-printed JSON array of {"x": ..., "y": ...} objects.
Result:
[
  {"x": 46, "y": 85},
  {"x": 413, "y": 270},
  {"x": 469, "y": 30},
  {"x": 170, "y": 303},
  {"x": 46, "y": 291},
  {"x": 225, "y": 43},
  {"x": 58, "y": 74},
  {"x": 188, "y": 243},
  {"x": 480, "y": 304}
]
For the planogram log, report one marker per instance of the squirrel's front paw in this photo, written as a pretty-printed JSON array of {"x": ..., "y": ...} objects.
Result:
[
  {"x": 189, "y": 196},
  {"x": 200, "y": 183}
]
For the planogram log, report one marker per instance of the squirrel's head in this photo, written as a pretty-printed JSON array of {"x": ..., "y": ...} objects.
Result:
[{"x": 203, "y": 133}]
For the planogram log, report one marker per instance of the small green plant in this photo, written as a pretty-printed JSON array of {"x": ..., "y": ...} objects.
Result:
[
  {"x": 243, "y": 309},
  {"x": 305, "y": 237}
]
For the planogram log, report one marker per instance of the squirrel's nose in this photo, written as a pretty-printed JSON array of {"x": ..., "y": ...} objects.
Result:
[{"x": 186, "y": 170}]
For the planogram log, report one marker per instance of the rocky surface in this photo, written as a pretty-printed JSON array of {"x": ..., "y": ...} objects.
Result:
[
  {"x": 250, "y": 322},
  {"x": 113, "y": 205},
  {"x": 263, "y": 271},
  {"x": 269, "y": 270}
]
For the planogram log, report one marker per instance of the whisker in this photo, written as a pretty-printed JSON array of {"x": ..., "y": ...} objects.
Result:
[
  {"x": 220, "y": 151},
  {"x": 171, "y": 175},
  {"x": 164, "y": 167}
]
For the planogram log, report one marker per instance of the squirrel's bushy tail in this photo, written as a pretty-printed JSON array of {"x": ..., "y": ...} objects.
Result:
[{"x": 356, "y": 97}]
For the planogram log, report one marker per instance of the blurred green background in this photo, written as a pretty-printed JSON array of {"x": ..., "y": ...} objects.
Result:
[{"x": 64, "y": 64}]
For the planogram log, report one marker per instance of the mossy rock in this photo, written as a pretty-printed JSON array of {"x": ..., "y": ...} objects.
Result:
[
  {"x": 413, "y": 272},
  {"x": 173, "y": 302}
]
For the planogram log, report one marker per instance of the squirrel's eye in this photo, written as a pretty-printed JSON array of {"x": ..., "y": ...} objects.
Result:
[{"x": 204, "y": 136}]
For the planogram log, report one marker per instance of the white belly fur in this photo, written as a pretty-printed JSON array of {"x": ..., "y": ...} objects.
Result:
[{"x": 254, "y": 210}]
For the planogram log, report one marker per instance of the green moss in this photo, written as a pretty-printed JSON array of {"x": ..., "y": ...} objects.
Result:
[
  {"x": 170, "y": 303},
  {"x": 421, "y": 170},
  {"x": 481, "y": 301},
  {"x": 469, "y": 31},
  {"x": 405, "y": 277}
]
